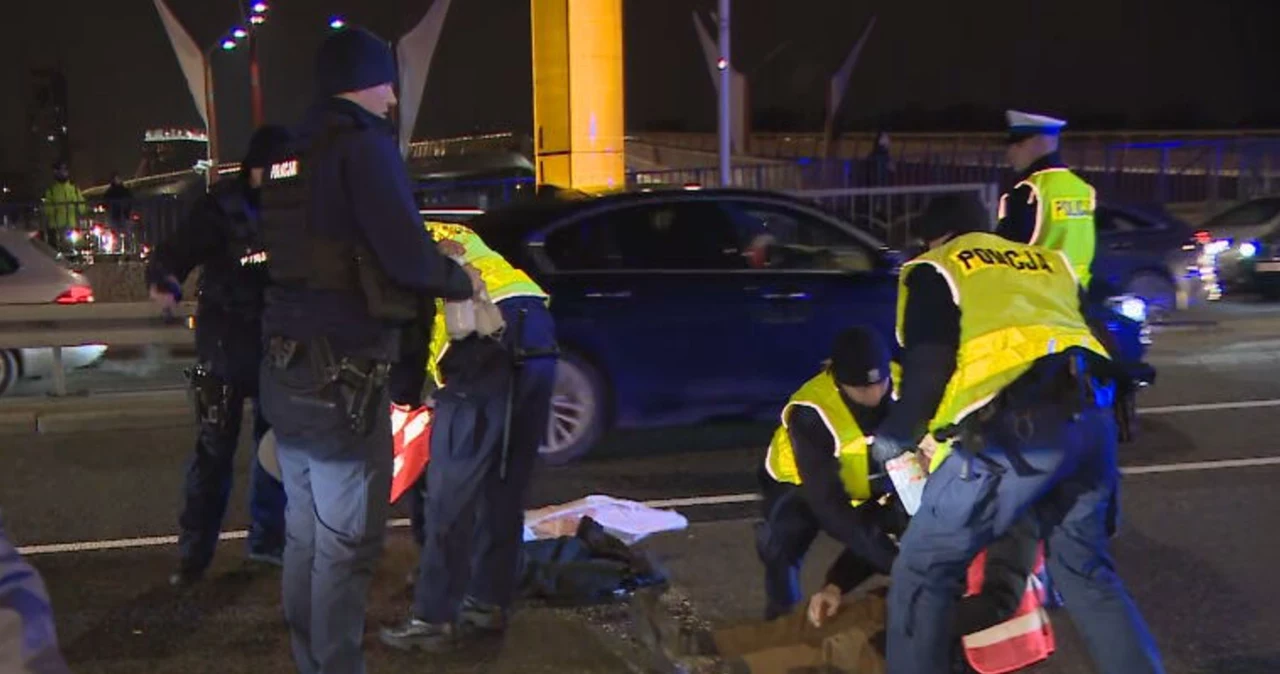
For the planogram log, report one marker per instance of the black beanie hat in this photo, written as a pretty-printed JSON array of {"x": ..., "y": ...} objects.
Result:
[
  {"x": 263, "y": 146},
  {"x": 859, "y": 357},
  {"x": 352, "y": 60},
  {"x": 951, "y": 214}
]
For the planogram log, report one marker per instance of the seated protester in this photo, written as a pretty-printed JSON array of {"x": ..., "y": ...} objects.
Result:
[
  {"x": 999, "y": 624},
  {"x": 817, "y": 476}
]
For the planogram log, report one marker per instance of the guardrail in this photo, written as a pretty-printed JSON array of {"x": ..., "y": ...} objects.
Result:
[{"x": 58, "y": 326}]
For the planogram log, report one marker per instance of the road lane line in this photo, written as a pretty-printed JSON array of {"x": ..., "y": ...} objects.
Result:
[
  {"x": 1208, "y": 407},
  {"x": 685, "y": 502}
]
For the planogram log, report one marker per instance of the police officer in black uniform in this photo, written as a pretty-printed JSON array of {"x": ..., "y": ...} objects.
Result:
[
  {"x": 350, "y": 264},
  {"x": 221, "y": 236}
]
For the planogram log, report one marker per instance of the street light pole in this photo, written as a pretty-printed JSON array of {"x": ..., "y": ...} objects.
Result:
[
  {"x": 211, "y": 115},
  {"x": 726, "y": 79},
  {"x": 255, "y": 82}
]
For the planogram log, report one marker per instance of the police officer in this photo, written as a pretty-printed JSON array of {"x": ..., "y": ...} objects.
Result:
[
  {"x": 999, "y": 359},
  {"x": 490, "y": 418},
  {"x": 1049, "y": 204},
  {"x": 222, "y": 237},
  {"x": 350, "y": 264},
  {"x": 816, "y": 475}
]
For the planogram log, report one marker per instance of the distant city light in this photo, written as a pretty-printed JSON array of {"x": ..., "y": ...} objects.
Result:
[
  {"x": 259, "y": 7},
  {"x": 228, "y": 44},
  {"x": 257, "y": 19},
  {"x": 240, "y": 33},
  {"x": 337, "y": 23}
]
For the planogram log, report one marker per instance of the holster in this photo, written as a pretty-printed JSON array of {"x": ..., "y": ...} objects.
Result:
[
  {"x": 355, "y": 384},
  {"x": 209, "y": 396}
]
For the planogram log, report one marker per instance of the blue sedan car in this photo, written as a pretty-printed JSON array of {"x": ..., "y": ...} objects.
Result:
[{"x": 677, "y": 306}]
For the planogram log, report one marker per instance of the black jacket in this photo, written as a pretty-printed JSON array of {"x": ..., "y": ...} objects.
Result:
[{"x": 360, "y": 192}]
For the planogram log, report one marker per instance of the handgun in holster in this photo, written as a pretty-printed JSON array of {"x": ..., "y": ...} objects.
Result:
[
  {"x": 209, "y": 395},
  {"x": 359, "y": 383}
]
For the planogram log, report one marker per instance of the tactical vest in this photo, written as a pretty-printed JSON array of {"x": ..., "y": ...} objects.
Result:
[
  {"x": 1019, "y": 642},
  {"x": 1064, "y": 216},
  {"x": 1018, "y": 303},
  {"x": 501, "y": 280},
  {"x": 822, "y": 395},
  {"x": 301, "y": 258},
  {"x": 236, "y": 278}
]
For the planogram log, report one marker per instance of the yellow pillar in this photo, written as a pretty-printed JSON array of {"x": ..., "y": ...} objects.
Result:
[{"x": 578, "y": 93}]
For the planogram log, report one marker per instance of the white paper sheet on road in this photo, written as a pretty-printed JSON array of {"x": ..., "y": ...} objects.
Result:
[{"x": 629, "y": 521}]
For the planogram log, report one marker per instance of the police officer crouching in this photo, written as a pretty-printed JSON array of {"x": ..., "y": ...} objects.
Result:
[
  {"x": 350, "y": 265},
  {"x": 222, "y": 236},
  {"x": 490, "y": 418},
  {"x": 816, "y": 476},
  {"x": 999, "y": 360}
]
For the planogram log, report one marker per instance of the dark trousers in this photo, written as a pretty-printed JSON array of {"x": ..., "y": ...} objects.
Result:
[
  {"x": 473, "y": 520},
  {"x": 785, "y": 536},
  {"x": 338, "y": 486},
  {"x": 208, "y": 488},
  {"x": 1064, "y": 472}
]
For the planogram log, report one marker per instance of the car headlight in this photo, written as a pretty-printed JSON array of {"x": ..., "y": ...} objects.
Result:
[
  {"x": 1131, "y": 307},
  {"x": 1248, "y": 249}
]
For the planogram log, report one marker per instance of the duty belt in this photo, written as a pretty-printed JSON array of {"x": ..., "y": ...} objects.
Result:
[{"x": 359, "y": 382}]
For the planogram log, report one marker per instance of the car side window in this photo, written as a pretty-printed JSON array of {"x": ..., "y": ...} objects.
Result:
[
  {"x": 684, "y": 235},
  {"x": 1104, "y": 220},
  {"x": 1108, "y": 221},
  {"x": 1246, "y": 214},
  {"x": 8, "y": 263},
  {"x": 774, "y": 236}
]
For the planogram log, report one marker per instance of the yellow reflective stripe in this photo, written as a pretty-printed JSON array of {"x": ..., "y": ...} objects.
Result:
[{"x": 1028, "y": 623}]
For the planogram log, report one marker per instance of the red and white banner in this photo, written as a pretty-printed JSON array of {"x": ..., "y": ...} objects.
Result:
[{"x": 411, "y": 441}]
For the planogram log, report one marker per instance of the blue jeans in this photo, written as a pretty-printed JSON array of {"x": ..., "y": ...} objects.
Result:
[
  {"x": 338, "y": 486},
  {"x": 1068, "y": 480}
]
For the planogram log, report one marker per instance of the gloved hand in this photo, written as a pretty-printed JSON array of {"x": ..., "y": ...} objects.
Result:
[{"x": 885, "y": 449}]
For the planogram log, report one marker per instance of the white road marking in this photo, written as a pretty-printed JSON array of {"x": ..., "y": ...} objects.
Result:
[
  {"x": 1207, "y": 407},
  {"x": 692, "y": 501}
]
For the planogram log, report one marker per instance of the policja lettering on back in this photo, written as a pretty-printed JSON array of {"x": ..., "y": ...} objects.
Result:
[
  {"x": 1028, "y": 393},
  {"x": 222, "y": 236},
  {"x": 346, "y": 216},
  {"x": 976, "y": 259}
]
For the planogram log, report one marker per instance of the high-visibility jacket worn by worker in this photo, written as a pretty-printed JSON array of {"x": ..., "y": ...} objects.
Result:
[
  {"x": 501, "y": 280},
  {"x": 823, "y": 395},
  {"x": 1064, "y": 206},
  {"x": 1017, "y": 304}
]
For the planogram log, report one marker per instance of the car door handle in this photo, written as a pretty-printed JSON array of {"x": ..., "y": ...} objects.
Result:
[
  {"x": 616, "y": 295},
  {"x": 1120, "y": 245},
  {"x": 785, "y": 297}
]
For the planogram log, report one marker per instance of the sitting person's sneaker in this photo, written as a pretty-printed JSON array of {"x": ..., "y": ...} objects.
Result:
[{"x": 414, "y": 634}]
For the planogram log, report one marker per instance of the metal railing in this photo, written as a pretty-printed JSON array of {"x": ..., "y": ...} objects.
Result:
[
  {"x": 57, "y": 326},
  {"x": 889, "y": 212},
  {"x": 94, "y": 228}
]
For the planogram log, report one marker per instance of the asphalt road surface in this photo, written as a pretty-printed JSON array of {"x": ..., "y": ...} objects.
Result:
[{"x": 1197, "y": 546}]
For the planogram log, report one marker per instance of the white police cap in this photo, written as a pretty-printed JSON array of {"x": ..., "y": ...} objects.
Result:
[{"x": 1028, "y": 124}]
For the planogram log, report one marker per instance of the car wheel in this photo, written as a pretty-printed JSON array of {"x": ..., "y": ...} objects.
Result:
[
  {"x": 577, "y": 411},
  {"x": 8, "y": 370},
  {"x": 1158, "y": 292}
]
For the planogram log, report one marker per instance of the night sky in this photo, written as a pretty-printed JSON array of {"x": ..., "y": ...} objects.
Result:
[{"x": 930, "y": 64}]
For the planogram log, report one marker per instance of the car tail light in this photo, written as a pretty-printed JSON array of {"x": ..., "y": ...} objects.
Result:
[{"x": 75, "y": 295}]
